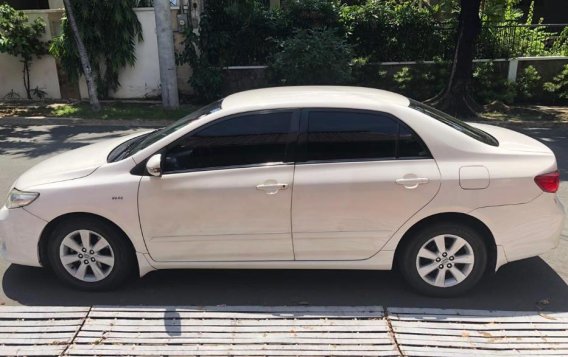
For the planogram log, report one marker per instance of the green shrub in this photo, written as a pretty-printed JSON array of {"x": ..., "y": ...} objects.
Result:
[
  {"x": 558, "y": 88},
  {"x": 240, "y": 32},
  {"x": 307, "y": 14},
  {"x": 316, "y": 56},
  {"x": 206, "y": 79},
  {"x": 529, "y": 85},
  {"x": 490, "y": 85},
  {"x": 402, "y": 80},
  {"x": 389, "y": 31}
]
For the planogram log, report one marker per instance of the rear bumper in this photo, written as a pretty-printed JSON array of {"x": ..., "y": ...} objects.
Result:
[
  {"x": 19, "y": 236},
  {"x": 525, "y": 230}
]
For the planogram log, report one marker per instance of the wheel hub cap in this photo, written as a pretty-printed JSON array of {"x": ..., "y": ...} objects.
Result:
[
  {"x": 445, "y": 260},
  {"x": 86, "y": 255}
]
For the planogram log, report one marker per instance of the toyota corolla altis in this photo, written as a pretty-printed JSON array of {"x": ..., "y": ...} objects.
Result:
[{"x": 291, "y": 178}]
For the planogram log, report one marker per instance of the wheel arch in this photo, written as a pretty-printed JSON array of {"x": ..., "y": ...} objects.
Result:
[
  {"x": 49, "y": 228},
  {"x": 453, "y": 217}
]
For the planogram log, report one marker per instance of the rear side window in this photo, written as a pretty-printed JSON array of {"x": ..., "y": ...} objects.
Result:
[
  {"x": 250, "y": 139},
  {"x": 351, "y": 135},
  {"x": 455, "y": 123}
]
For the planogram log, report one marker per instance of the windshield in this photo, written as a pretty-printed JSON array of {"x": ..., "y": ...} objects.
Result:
[
  {"x": 132, "y": 146},
  {"x": 455, "y": 123}
]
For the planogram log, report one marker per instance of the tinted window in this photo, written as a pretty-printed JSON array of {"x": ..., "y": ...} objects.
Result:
[
  {"x": 244, "y": 140},
  {"x": 335, "y": 135},
  {"x": 455, "y": 123},
  {"x": 409, "y": 144}
]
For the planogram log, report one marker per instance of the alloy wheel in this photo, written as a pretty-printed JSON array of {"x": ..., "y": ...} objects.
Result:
[
  {"x": 86, "y": 255},
  {"x": 445, "y": 260}
]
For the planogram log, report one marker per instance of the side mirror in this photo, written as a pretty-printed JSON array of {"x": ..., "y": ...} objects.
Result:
[{"x": 154, "y": 165}]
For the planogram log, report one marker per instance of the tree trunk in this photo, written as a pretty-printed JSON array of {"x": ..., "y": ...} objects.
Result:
[
  {"x": 87, "y": 70},
  {"x": 455, "y": 98},
  {"x": 27, "y": 79},
  {"x": 166, "y": 54}
]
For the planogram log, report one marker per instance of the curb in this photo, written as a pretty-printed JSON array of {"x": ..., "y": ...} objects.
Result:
[{"x": 17, "y": 121}]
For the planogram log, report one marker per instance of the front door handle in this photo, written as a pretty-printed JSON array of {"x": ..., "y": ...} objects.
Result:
[
  {"x": 272, "y": 188},
  {"x": 412, "y": 182}
]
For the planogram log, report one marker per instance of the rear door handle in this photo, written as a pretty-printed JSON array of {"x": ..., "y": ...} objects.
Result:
[
  {"x": 412, "y": 182},
  {"x": 272, "y": 188}
]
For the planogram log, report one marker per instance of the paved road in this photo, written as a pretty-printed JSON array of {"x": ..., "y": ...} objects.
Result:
[{"x": 536, "y": 283}]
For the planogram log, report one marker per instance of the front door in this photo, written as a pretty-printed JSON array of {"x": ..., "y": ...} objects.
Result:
[
  {"x": 225, "y": 194},
  {"x": 360, "y": 175}
]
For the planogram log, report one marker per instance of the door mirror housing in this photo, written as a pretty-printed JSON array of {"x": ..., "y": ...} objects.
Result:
[{"x": 154, "y": 165}]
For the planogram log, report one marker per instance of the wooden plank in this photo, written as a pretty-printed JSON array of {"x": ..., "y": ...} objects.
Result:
[
  {"x": 43, "y": 315},
  {"x": 253, "y": 335},
  {"x": 482, "y": 343},
  {"x": 477, "y": 319},
  {"x": 44, "y": 350},
  {"x": 35, "y": 309},
  {"x": 256, "y": 309},
  {"x": 27, "y": 329},
  {"x": 481, "y": 326},
  {"x": 226, "y": 315},
  {"x": 62, "y": 340},
  {"x": 188, "y": 352},
  {"x": 386, "y": 340},
  {"x": 232, "y": 322},
  {"x": 494, "y": 333},
  {"x": 5, "y": 336},
  {"x": 453, "y": 352},
  {"x": 126, "y": 328},
  {"x": 30, "y": 323},
  {"x": 223, "y": 348}
]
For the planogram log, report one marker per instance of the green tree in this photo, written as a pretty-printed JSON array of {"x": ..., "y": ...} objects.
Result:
[
  {"x": 109, "y": 30},
  {"x": 455, "y": 99},
  {"x": 21, "y": 38}
]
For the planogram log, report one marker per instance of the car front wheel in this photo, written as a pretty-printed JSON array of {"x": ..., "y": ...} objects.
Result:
[
  {"x": 90, "y": 254},
  {"x": 444, "y": 259}
]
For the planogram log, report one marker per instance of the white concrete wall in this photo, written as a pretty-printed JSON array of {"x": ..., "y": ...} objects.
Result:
[
  {"x": 142, "y": 80},
  {"x": 43, "y": 71}
]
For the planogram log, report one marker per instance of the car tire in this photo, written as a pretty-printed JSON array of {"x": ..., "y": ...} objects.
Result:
[
  {"x": 90, "y": 254},
  {"x": 432, "y": 265}
]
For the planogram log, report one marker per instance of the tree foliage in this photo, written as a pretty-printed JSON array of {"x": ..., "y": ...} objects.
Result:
[
  {"x": 21, "y": 38},
  {"x": 316, "y": 56},
  {"x": 110, "y": 30}
]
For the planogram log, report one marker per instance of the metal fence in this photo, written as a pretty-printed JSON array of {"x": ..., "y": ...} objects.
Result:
[{"x": 517, "y": 40}]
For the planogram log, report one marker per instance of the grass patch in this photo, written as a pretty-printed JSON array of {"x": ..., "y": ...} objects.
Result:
[{"x": 109, "y": 111}]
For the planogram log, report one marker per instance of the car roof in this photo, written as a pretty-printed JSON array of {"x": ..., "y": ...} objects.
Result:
[{"x": 306, "y": 96}]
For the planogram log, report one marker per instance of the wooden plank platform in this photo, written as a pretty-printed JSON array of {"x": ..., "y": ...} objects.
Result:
[
  {"x": 278, "y": 331},
  {"x": 440, "y": 333},
  {"x": 235, "y": 331},
  {"x": 38, "y": 331}
]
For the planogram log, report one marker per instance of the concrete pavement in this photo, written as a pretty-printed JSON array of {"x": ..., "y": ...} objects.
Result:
[{"x": 532, "y": 284}]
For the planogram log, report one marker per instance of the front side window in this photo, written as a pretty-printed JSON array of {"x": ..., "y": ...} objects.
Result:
[
  {"x": 249, "y": 139},
  {"x": 352, "y": 135}
]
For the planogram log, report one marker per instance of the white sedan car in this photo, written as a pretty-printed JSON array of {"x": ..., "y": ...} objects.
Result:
[{"x": 292, "y": 178}]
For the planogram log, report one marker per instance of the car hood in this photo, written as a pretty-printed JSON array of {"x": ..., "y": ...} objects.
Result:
[
  {"x": 512, "y": 140},
  {"x": 70, "y": 165}
]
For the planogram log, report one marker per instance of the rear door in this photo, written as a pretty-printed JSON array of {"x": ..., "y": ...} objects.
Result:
[{"x": 359, "y": 176}]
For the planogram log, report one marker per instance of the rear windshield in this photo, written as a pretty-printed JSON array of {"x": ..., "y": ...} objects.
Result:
[{"x": 455, "y": 123}]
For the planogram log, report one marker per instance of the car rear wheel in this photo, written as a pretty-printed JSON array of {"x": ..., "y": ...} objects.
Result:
[
  {"x": 90, "y": 254},
  {"x": 444, "y": 259}
]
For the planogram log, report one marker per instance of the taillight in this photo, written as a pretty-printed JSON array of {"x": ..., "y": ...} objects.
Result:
[{"x": 548, "y": 182}]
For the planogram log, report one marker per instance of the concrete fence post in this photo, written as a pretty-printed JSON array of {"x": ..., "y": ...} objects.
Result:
[{"x": 513, "y": 66}]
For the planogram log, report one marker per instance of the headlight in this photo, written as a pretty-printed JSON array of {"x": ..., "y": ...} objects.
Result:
[{"x": 18, "y": 198}]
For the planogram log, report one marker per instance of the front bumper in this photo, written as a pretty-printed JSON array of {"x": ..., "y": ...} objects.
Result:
[
  {"x": 525, "y": 230},
  {"x": 20, "y": 232}
]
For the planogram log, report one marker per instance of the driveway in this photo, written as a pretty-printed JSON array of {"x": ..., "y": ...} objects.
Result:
[{"x": 532, "y": 284}]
